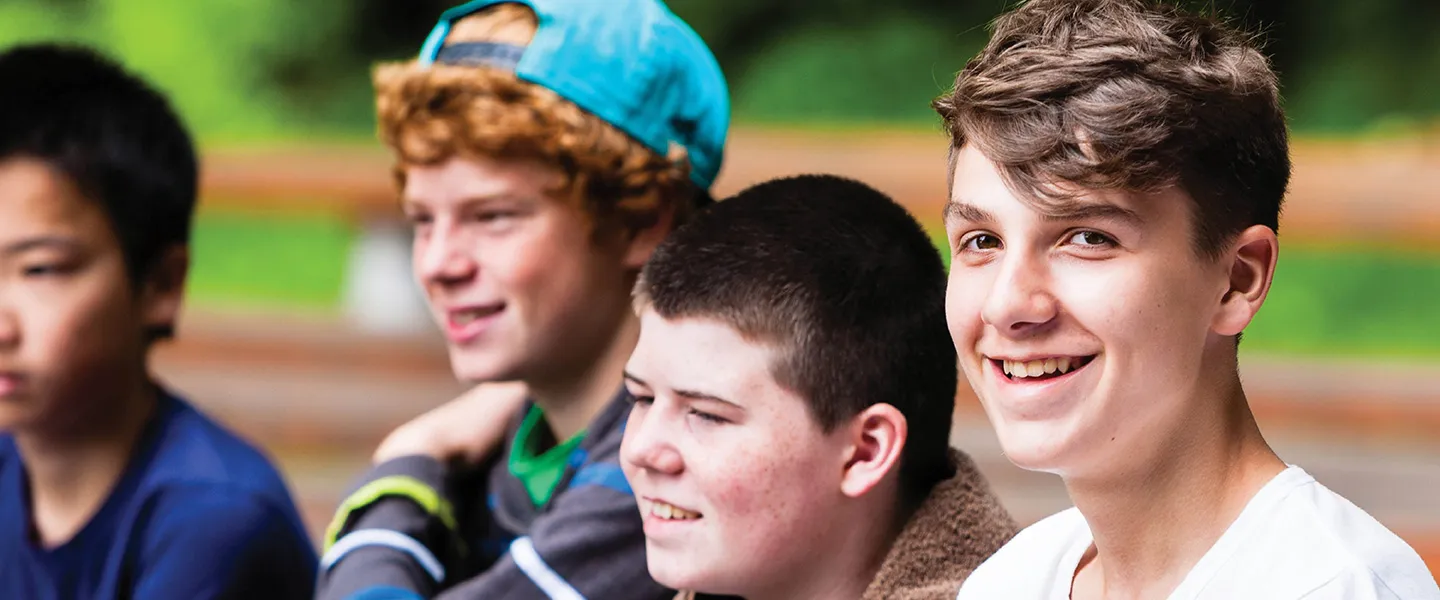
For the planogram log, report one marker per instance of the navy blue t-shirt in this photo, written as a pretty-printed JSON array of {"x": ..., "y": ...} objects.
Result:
[{"x": 198, "y": 514}]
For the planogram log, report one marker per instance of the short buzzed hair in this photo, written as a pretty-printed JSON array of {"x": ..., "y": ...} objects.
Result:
[{"x": 847, "y": 287}]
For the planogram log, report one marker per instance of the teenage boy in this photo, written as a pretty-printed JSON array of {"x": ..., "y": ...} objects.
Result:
[
  {"x": 544, "y": 148},
  {"x": 794, "y": 389},
  {"x": 110, "y": 485},
  {"x": 1117, "y": 174}
]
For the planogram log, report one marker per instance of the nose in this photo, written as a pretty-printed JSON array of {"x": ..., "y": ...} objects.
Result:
[
  {"x": 1020, "y": 301},
  {"x": 9, "y": 326},
  {"x": 646, "y": 446},
  {"x": 443, "y": 256}
]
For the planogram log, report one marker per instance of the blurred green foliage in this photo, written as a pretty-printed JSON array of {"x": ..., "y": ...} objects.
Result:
[
  {"x": 275, "y": 70},
  {"x": 292, "y": 261}
]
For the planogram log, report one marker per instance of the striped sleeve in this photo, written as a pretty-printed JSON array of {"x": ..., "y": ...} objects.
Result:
[
  {"x": 394, "y": 536},
  {"x": 590, "y": 544}
]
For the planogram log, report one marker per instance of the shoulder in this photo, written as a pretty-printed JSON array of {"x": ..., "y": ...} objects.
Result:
[
  {"x": 215, "y": 515},
  {"x": 202, "y": 541},
  {"x": 1030, "y": 559},
  {"x": 1342, "y": 545},
  {"x": 193, "y": 451},
  {"x": 1052, "y": 535},
  {"x": 597, "y": 461}
]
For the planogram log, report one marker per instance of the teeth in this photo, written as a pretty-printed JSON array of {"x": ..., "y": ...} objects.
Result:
[
  {"x": 469, "y": 316},
  {"x": 669, "y": 512},
  {"x": 1036, "y": 368}
]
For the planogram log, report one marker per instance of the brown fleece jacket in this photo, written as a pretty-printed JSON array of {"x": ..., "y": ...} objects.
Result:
[{"x": 958, "y": 526}]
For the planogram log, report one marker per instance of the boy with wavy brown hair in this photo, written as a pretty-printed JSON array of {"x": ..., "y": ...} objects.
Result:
[
  {"x": 1117, "y": 172},
  {"x": 544, "y": 148}
]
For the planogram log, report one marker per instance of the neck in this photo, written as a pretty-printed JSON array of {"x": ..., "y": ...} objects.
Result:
[
  {"x": 571, "y": 401},
  {"x": 72, "y": 471},
  {"x": 1154, "y": 521},
  {"x": 852, "y": 558}
]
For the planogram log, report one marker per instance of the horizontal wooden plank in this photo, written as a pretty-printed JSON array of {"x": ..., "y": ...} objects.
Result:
[{"x": 1376, "y": 193}]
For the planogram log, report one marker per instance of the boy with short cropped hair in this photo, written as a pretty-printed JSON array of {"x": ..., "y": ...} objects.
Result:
[
  {"x": 543, "y": 149},
  {"x": 794, "y": 392},
  {"x": 111, "y": 486},
  {"x": 1117, "y": 171}
]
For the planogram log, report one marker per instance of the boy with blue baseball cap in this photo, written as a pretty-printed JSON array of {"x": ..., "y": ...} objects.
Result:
[{"x": 544, "y": 149}]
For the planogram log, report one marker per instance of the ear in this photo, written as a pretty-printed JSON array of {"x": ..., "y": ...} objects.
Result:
[
  {"x": 878, "y": 437},
  {"x": 643, "y": 241},
  {"x": 163, "y": 289},
  {"x": 1252, "y": 268}
]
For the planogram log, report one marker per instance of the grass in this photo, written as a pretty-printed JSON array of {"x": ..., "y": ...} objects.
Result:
[{"x": 1325, "y": 301}]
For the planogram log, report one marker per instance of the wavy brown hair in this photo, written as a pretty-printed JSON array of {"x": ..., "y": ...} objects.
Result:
[
  {"x": 1127, "y": 94},
  {"x": 428, "y": 115}
]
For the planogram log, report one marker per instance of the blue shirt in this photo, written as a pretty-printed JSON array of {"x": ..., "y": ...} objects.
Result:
[{"x": 197, "y": 514}]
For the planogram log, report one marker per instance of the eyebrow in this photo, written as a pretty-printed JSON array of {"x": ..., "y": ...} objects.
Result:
[
  {"x": 965, "y": 211},
  {"x": 635, "y": 379},
  {"x": 40, "y": 242},
  {"x": 688, "y": 394},
  {"x": 1080, "y": 212},
  {"x": 1074, "y": 211},
  {"x": 468, "y": 201}
]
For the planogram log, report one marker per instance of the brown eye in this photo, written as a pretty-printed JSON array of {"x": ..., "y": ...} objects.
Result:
[
  {"x": 983, "y": 241},
  {"x": 1091, "y": 238}
]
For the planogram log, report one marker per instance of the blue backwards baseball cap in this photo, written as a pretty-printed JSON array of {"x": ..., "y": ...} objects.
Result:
[{"x": 632, "y": 63}]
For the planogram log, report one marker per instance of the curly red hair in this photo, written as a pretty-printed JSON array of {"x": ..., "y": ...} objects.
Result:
[{"x": 428, "y": 115}]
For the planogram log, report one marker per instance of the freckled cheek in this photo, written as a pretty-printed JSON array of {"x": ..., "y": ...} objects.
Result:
[
  {"x": 769, "y": 503},
  {"x": 752, "y": 494}
]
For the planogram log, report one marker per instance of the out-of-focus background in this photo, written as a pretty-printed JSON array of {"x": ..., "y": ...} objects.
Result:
[{"x": 304, "y": 332}]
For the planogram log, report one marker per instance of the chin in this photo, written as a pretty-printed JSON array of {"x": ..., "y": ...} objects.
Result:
[
  {"x": 1034, "y": 446},
  {"x": 13, "y": 418},
  {"x": 477, "y": 367},
  {"x": 673, "y": 573}
]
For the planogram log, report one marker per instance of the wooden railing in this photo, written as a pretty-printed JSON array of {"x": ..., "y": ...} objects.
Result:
[{"x": 1382, "y": 193}]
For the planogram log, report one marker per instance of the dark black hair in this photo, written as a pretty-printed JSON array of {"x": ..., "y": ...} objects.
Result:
[{"x": 115, "y": 137}]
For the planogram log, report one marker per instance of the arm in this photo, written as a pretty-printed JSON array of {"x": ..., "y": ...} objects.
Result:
[
  {"x": 396, "y": 531},
  {"x": 213, "y": 543},
  {"x": 591, "y": 544}
]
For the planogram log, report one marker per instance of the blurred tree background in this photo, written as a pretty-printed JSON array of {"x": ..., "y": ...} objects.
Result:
[
  {"x": 262, "y": 70},
  {"x": 269, "y": 73}
]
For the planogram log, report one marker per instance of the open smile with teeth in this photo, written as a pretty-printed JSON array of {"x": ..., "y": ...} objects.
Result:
[
  {"x": 466, "y": 317},
  {"x": 665, "y": 511},
  {"x": 1041, "y": 369}
]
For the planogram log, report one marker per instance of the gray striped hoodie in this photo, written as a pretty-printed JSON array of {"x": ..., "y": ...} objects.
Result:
[{"x": 412, "y": 528}]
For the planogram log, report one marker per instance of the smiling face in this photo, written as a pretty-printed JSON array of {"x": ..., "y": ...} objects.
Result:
[
  {"x": 737, "y": 483},
  {"x": 1085, "y": 329},
  {"x": 518, "y": 280}
]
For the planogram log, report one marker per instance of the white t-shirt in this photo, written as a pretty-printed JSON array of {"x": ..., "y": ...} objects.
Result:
[{"x": 1295, "y": 539}]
